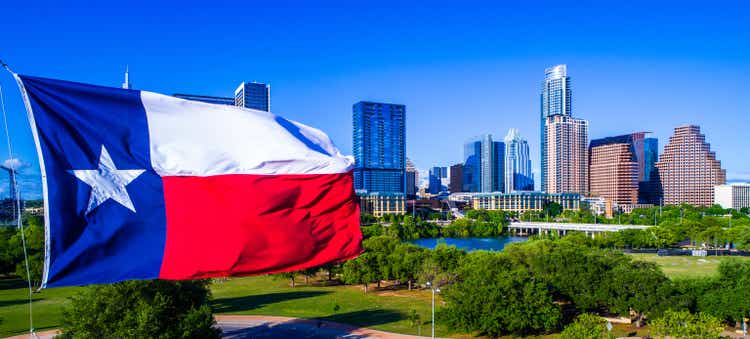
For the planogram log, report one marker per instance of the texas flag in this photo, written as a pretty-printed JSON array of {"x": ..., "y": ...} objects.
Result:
[{"x": 140, "y": 185}]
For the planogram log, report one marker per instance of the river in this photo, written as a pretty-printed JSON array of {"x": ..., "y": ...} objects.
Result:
[{"x": 470, "y": 244}]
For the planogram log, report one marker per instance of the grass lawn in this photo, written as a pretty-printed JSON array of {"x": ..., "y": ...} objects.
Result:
[
  {"x": 14, "y": 307},
  {"x": 385, "y": 309},
  {"x": 685, "y": 267}
]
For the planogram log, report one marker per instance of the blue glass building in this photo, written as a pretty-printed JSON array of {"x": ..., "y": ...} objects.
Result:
[
  {"x": 253, "y": 95},
  {"x": 483, "y": 165},
  {"x": 518, "y": 175},
  {"x": 379, "y": 146},
  {"x": 650, "y": 156},
  {"x": 438, "y": 178},
  {"x": 472, "y": 169},
  {"x": 556, "y": 99}
]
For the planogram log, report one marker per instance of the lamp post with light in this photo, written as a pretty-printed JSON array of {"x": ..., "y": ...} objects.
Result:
[{"x": 429, "y": 284}]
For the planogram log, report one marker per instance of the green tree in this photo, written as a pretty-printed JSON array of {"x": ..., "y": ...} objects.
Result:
[
  {"x": 141, "y": 309},
  {"x": 495, "y": 297},
  {"x": 362, "y": 270},
  {"x": 641, "y": 287},
  {"x": 441, "y": 265},
  {"x": 34, "y": 236},
  {"x": 309, "y": 273},
  {"x": 407, "y": 260},
  {"x": 728, "y": 297},
  {"x": 683, "y": 324},
  {"x": 288, "y": 276},
  {"x": 586, "y": 326},
  {"x": 552, "y": 209},
  {"x": 380, "y": 248}
]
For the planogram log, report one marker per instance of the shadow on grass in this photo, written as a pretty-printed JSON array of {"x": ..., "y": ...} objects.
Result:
[
  {"x": 12, "y": 283},
  {"x": 314, "y": 328},
  {"x": 4, "y": 303},
  {"x": 250, "y": 302},
  {"x": 365, "y": 318}
]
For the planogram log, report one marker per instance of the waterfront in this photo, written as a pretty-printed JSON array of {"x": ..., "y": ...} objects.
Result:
[{"x": 470, "y": 244}]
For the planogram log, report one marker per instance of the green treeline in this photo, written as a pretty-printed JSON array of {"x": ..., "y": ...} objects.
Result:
[
  {"x": 478, "y": 223},
  {"x": 712, "y": 226}
]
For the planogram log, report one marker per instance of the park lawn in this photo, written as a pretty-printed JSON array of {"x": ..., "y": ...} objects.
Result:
[
  {"x": 676, "y": 267},
  {"x": 385, "y": 309},
  {"x": 14, "y": 307}
]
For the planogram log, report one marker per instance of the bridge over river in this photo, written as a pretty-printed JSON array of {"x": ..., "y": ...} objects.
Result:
[{"x": 528, "y": 228}]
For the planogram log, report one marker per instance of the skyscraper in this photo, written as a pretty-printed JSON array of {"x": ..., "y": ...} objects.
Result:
[
  {"x": 518, "y": 176},
  {"x": 614, "y": 168},
  {"x": 411, "y": 179},
  {"x": 556, "y": 99},
  {"x": 472, "y": 168},
  {"x": 438, "y": 175},
  {"x": 457, "y": 178},
  {"x": 620, "y": 168},
  {"x": 379, "y": 146},
  {"x": 649, "y": 191},
  {"x": 650, "y": 157},
  {"x": 483, "y": 165},
  {"x": 688, "y": 170},
  {"x": 498, "y": 166},
  {"x": 126, "y": 84},
  {"x": 253, "y": 95},
  {"x": 567, "y": 155}
]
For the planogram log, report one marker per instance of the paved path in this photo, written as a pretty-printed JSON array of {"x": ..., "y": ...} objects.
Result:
[
  {"x": 254, "y": 326},
  {"x": 257, "y": 326}
]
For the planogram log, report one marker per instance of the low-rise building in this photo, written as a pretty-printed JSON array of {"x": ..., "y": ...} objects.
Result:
[
  {"x": 382, "y": 203},
  {"x": 732, "y": 196},
  {"x": 525, "y": 201}
]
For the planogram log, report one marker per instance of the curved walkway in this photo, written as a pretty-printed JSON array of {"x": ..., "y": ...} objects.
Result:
[{"x": 260, "y": 326}]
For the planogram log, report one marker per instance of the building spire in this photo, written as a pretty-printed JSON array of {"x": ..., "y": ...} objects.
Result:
[{"x": 126, "y": 84}]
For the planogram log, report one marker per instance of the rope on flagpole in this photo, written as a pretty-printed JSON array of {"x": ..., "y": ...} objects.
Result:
[{"x": 19, "y": 223}]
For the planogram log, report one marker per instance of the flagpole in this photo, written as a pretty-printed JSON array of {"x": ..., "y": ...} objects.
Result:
[{"x": 17, "y": 198}]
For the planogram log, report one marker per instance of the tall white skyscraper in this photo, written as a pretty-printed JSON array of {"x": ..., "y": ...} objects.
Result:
[
  {"x": 518, "y": 176},
  {"x": 556, "y": 99},
  {"x": 126, "y": 83}
]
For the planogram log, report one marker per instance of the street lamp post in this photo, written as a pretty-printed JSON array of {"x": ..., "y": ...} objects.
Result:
[{"x": 429, "y": 284}]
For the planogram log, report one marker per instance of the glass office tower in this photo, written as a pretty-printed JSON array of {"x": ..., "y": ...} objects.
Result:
[
  {"x": 518, "y": 176},
  {"x": 253, "y": 95},
  {"x": 379, "y": 146},
  {"x": 483, "y": 165}
]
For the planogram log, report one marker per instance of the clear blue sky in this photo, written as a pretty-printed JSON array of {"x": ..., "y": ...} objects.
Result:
[{"x": 461, "y": 68}]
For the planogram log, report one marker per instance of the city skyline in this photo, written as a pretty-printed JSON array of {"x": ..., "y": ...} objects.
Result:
[{"x": 478, "y": 74}]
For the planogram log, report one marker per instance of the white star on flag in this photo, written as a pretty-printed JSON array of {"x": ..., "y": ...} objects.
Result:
[{"x": 108, "y": 182}]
